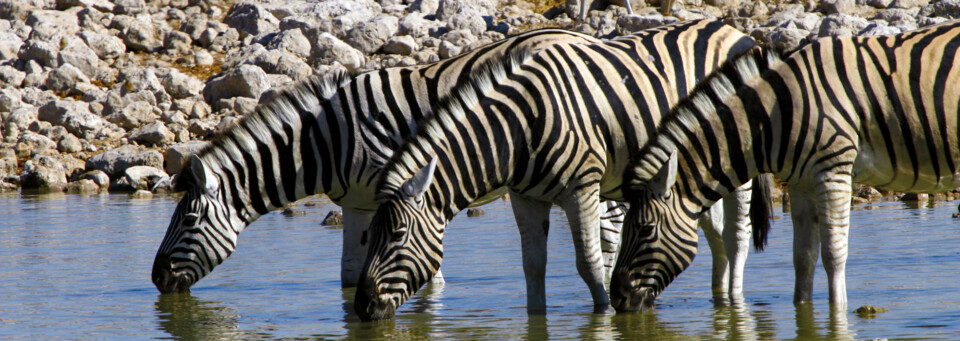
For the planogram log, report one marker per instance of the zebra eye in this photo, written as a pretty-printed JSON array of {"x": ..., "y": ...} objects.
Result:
[
  {"x": 190, "y": 219},
  {"x": 399, "y": 232}
]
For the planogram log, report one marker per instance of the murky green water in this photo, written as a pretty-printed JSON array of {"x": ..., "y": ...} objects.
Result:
[{"x": 78, "y": 267}]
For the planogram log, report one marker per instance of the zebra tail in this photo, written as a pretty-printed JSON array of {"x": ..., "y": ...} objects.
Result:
[{"x": 761, "y": 209}]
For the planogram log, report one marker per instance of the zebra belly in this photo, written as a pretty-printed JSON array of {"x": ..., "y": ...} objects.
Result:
[{"x": 874, "y": 168}]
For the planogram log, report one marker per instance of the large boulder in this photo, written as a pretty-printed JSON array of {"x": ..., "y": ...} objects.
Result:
[
  {"x": 73, "y": 115},
  {"x": 105, "y": 46},
  {"x": 251, "y": 19},
  {"x": 10, "y": 45},
  {"x": 43, "y": 173},
  {"x": 77, "y": 53},
  {"x": 177, "y": 154},
  {"x": 51, "y": 25},
  {"x": 369, "y": 36},
  {"x": 328, "y": 50},
  {"x": 152, "y": 135},
  {"x": 143, "y": 177},
  {"x": 115, "y": 161},
  {"x": 245, "y": 80}
]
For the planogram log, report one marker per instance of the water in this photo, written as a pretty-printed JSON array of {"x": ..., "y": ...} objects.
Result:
[{"x": 78, "y": 267}]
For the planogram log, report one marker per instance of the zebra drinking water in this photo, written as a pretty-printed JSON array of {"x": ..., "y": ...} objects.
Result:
[
  {"x": 554, "y": 126},
  {"x": 881, "y": 111},
  {"x": 323, "y": 136}
]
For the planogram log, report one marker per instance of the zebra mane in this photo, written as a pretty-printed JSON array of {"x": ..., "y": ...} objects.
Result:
[
  {"x": 449, "y": 109},
  {"x": 284, "y": 105},
  {"x": 721, "y": 84}
]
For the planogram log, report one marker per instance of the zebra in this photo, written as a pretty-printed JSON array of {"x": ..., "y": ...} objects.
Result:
[
  {"x": 881, "y": 111},
  {"x": 553, "y": 127},
  {"x": 326, "y": 135}
]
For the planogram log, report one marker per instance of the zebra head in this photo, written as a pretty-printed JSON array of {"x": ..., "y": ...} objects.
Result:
[
  {"x": 405, "y": 249},
  {"x": 656, "y": 245},
  {"x": 202, "y": 233}
]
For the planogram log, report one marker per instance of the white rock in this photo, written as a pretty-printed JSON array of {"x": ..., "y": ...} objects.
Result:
[
  {"x": 402, "y": 45},
  {"x": 251, "y": 19},
  {"x": 292, "y": 41},
  {"x": 177, "y": 154},
  {"x": 10, "y": 75},
  {"x": 115, "y": 161},
  {"x": 73, "y": 115},
  {"x": 369, "y": 36},
  {"x": 328, "y": 49},
  {"x": 106, "y": 47},
  {"x": 180, "y": 85},
  {"x": 245, "y": 80},
  {"x": 152, "y": 135},
  {"x": 43, "y": 173}
]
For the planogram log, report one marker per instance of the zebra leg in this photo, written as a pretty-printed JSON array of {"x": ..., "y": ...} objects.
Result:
[
  {"x": 806, "y": 243},
  {"x": 581, "y": 210},
  {"x": 355, "y": 224},
  {"x": 711, "y": 222},
  {"x": 533, "y": 219},
  {"x": 736, "y": 234},
  {"x": 834, "y": 195},
  {"x": 611, "y": 223}
]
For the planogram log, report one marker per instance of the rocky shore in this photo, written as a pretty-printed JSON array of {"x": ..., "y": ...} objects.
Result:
[{"x": 111, "y": 95}]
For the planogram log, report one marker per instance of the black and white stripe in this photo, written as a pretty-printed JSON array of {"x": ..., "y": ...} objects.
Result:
[
  {"x": 881, "y": 111},
  {"x": 554, "y": 126},
  {"x": 326, "y": 135}
]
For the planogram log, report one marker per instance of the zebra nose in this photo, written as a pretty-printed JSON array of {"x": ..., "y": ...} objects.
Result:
[
  {"x": 366, "y": 300},
  {"x": 163, "y": 277}
]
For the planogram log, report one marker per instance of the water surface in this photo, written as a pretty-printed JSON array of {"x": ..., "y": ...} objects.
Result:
[{"x": 78, "y": 267}]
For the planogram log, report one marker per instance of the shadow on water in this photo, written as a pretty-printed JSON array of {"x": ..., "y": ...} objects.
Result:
[{"x": 186, "y": 318}]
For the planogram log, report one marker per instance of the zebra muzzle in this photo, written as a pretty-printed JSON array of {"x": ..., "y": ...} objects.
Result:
[{"x": 165, "y": 280}]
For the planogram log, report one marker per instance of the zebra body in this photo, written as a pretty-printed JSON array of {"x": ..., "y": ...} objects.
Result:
[
  {"x": 323, "y": 136},
  {"x": 554, "y": 126},
  {"x": 882, "y": 111}
]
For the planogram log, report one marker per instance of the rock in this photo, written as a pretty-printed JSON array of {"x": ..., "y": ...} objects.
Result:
[
  {"x": 919, "y": 197},
  {"x": 292, "y": 41},
  {"x": 202, "y": 128},
  {"x": 369, "y": 36},
  {"x": 633, "y": 23},
  {"x": 837, "y": 6},
  {"x": 130, "y": 7},
  {"x": 51, "y": 25},
  {"x": 21, "y": 117},
  {"x": 141, "y": 194},
  {"x": 15, "y": 9},
  {"x": 10, "y": 75},
  {"x": 425, "y": 6},
  {"x": 10, "y": 44},
  {"x": 329, "y": 50},
  {"x": 144, "y": 81},
  {"x": 245, "y": 80},
  {"x": 293, "y": 212},
  {"x": 115, "y": 161},
  {"x": 908, "y": 3},
  {"x": 416, "y": 26},
  {"x": 43, "y": 173},
  {"x": 98, "y": 177},
  {"x": 99, "y": 5},
  {"x": 841, "y": 25},
  {"x": 31, "y": 143},
  {"x": 152, "y": 135},
  {"x": 77, "y": 53},
  {"x": 869, "y": 311},
  {"x": 177, "y": 154},
  {"x": 134, "y": 115},
  {"x": 180, "y": 85},
  {"x": 8, "y": 163},
  {"x": 203, "y": 58},
  {"x": 83, "y": 186},
  {"x": 73, "y": 166},
  {"x": 69, "y": 144},
  {"x": 73, "y": 115},
  {"x": 65, "y": 78},
  {"x": 878, "y": 29},
  {"x": 474, "y": 212},
  {"x": 144, "y": 177},
  {"x": 333, "y": 218},
  {"x": 448, "y": 50},
  {"x": 879, "y": 3},
  {"x": 402, "y": 45},
  {"x": 104, "y": 46},
  {"x": 945, "y": 8},
  {"x": 44, "y": 53},
  {"x": 251, "y": 19},
  {"x": 141, "y": 35},
  {"x": 447, "y": 8},
  {"x": 787, "y": 39},
  {"x": 867, "y": 192},
  {"x": 334, "y": 17},
  {"x": 9, "y": 100},
  {"x": 177, "y": 42}
]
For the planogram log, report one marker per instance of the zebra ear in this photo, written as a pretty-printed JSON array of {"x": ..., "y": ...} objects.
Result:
[
  {"x": 202, "y": 175},
  {"x": 418, "y": 184},
  {"x": 663, "y": 181}
]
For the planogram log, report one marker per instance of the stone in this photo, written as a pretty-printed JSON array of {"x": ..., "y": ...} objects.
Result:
[
  {"x": 43, "y": 173},
  {"x": 152, "y": 135},
  {"x": 416, "y": 26},
  {"x": 787, "y": 39},
  {"x": 908, "y": 3},
  {"x": 245, "y": 80},
  {"x": 130, "y": 7},
  {"x": 202, "y": 128},
  {"x": 141, "y": 35},
  {"x": 203, "y": 58},
  {"x": 176, "y": 155},
  {"x": 30, "y": 143},
  {"x": 144, "y": 177},
  {"x": 447, "y": 8},
  {"x": 425, "y": 6},
  {"x": 104, "y": 46},
  {"x": 251, "y": 19},
  {"x": 99, "y": 5},
  {"x": 180, "y": 85},
  {"x": 133, "y": 115},
  {"x": 51, "y": 25},
  {"x": 837, "y": 6},
  {"x": 333, "y": 218},
  {"x": 115, "y": 161},
  {"x": 77, "y": 53},
  {"x": 21, "y": 117},
  {"x": 10, "y": 45},
  {"x": 293, "y": 212},
  {"x": 98, "y": 177},
  {"x": 44, "y": 53},
  {"x": 10, "y": 99},
  {"x": 402, "y": 45},
  {"x": 73, "y": 115},
  {"x": 328, "y": 50},
  {"x": 879, "y": 3},
  {"x": 10, "y": 75},
  {"x": 65, "y": 78},
  {"x": 467, "y": 21},
  {"x": 448, "y": 50},
  {"x": 632, "y": 23},
  {"x": 369, "y": 36},
  {"x": 69, "y": 144},
  {"x": 177, "y": 42},
  {"x": 143, "y": 80},
  {"x": 879, "y": 28},
  {"x": 945, "y": 8},
  {"x": 292, "y": 41},
  {"x": 841, "y": 25},
  {"x": 83, "y": 186},
  {"x": 918, "y": 197},
  {"x": 475, "y": 212}
]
